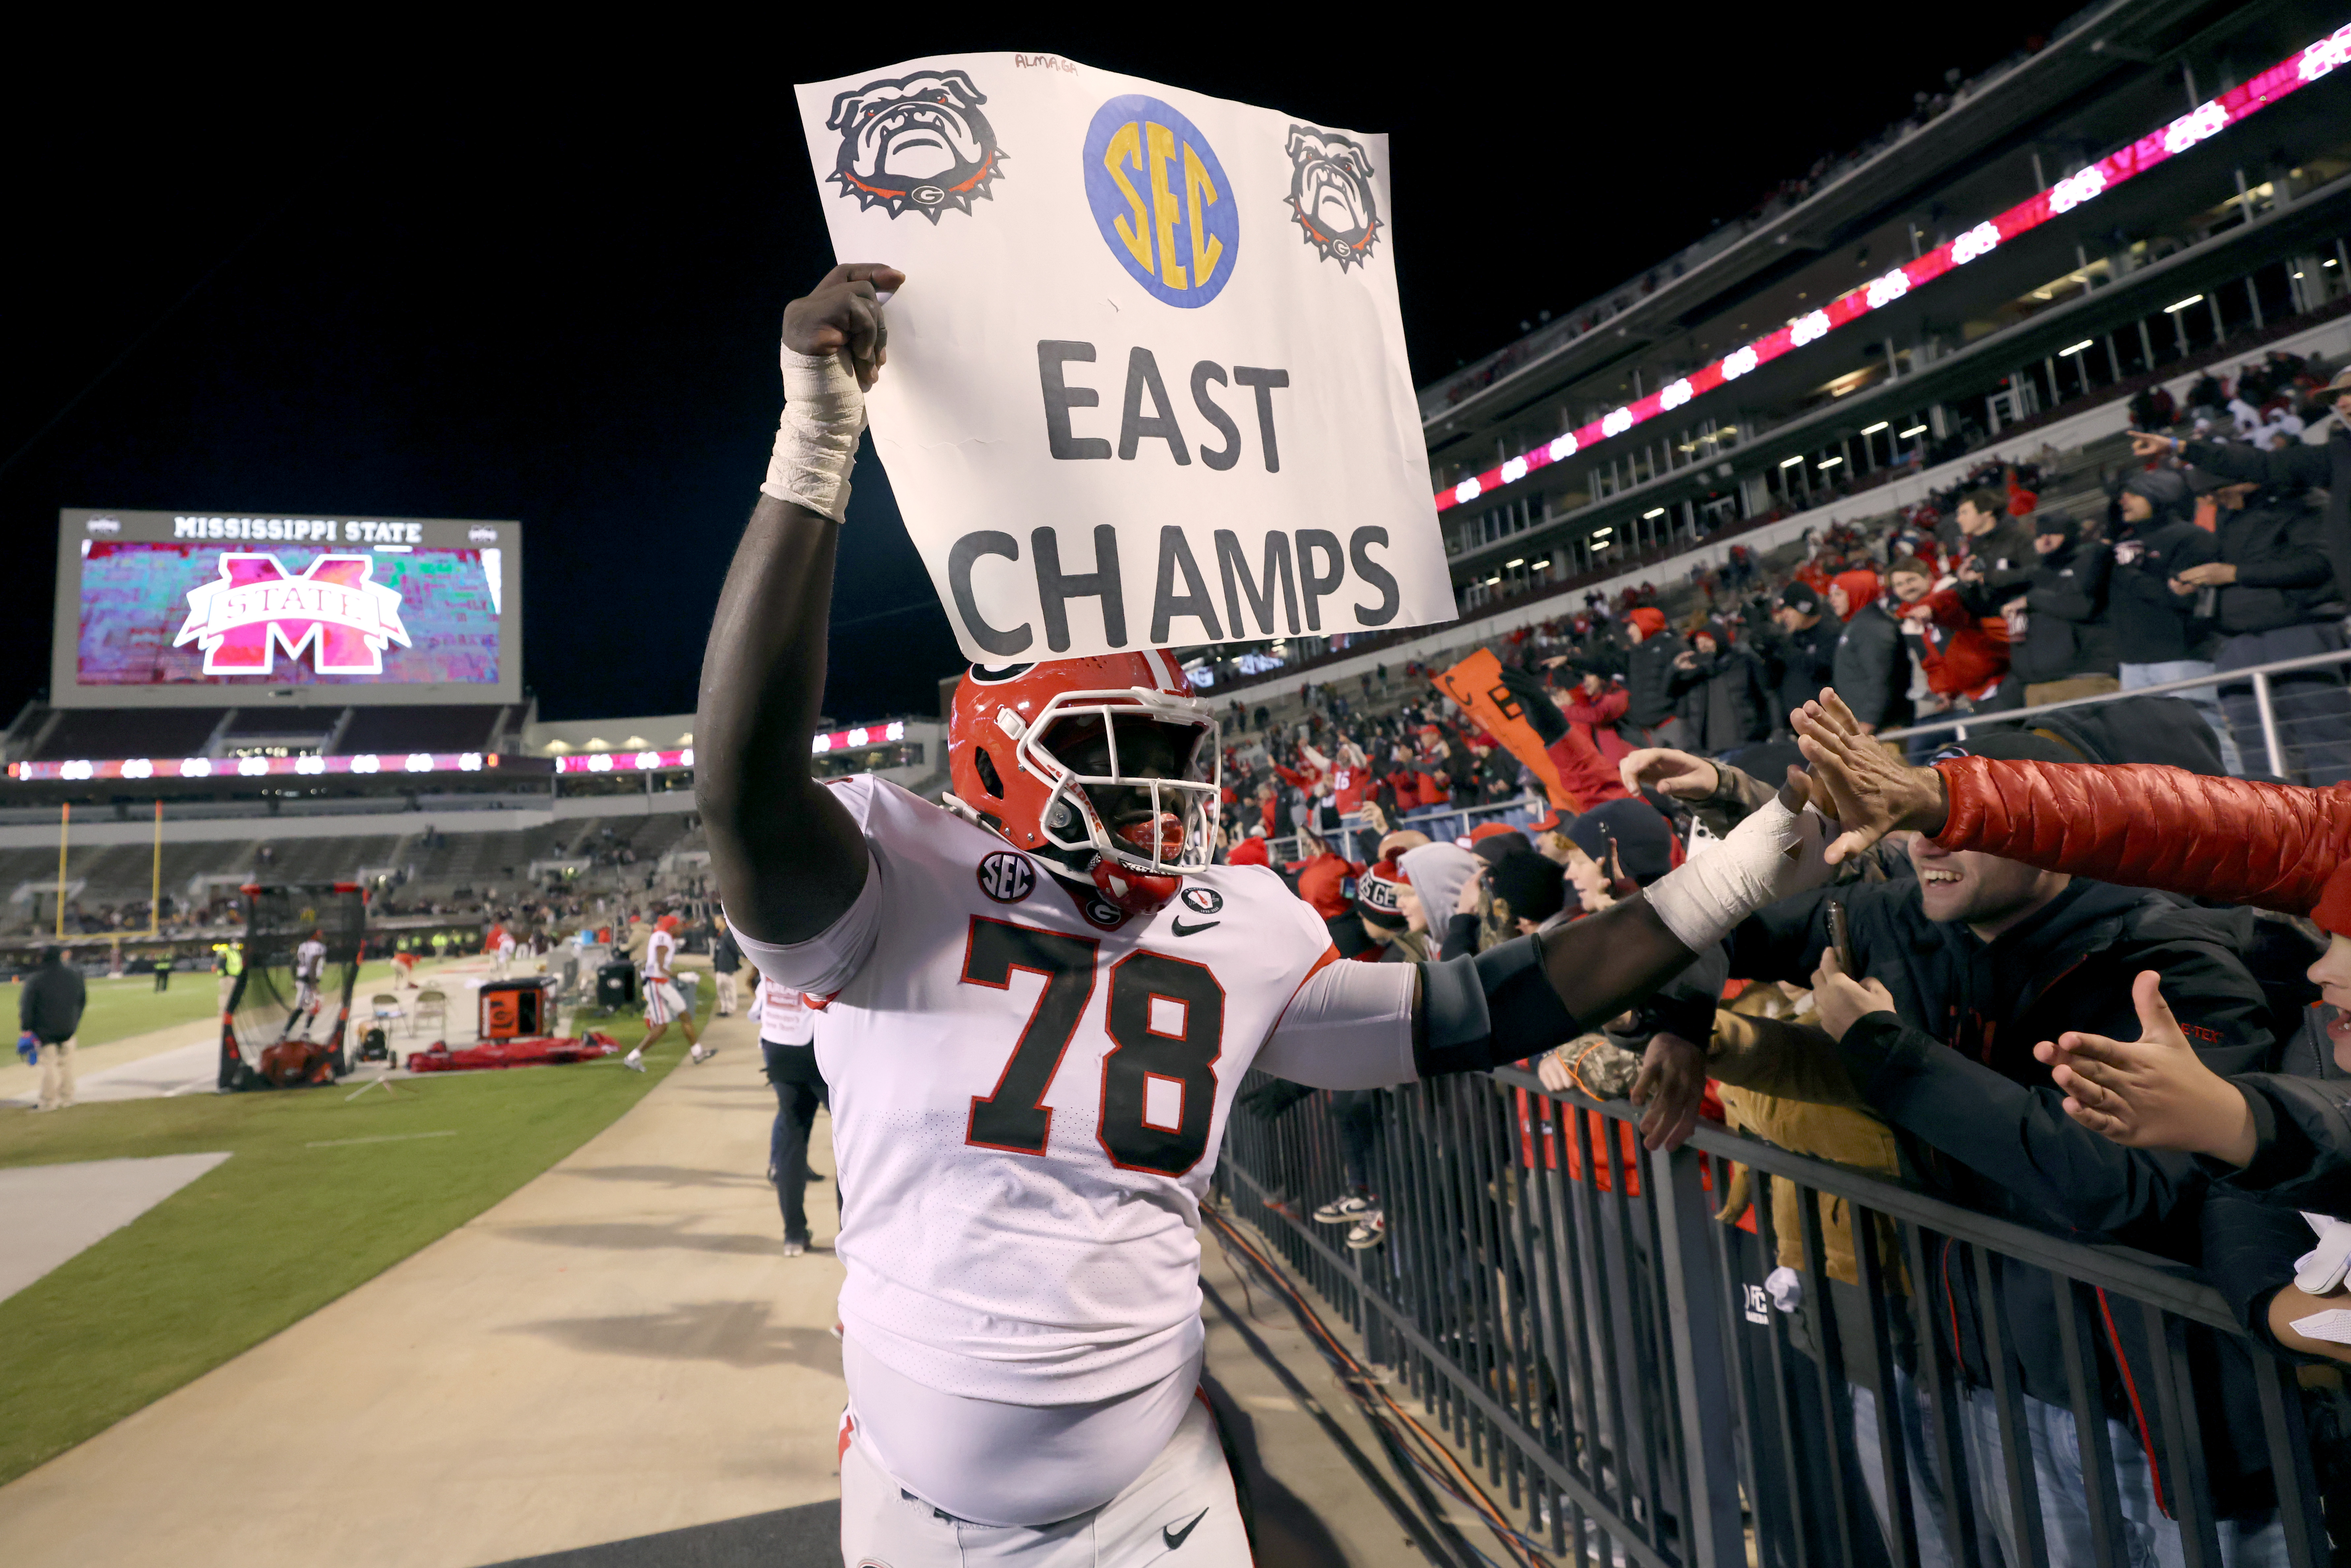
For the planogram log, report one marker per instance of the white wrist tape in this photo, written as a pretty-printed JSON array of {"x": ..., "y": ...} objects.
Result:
[
  {"x": 816, "y": 446},
  {"x": 1773, "y": 854}
]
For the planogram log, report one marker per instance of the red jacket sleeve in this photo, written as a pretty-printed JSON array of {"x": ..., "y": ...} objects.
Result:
[{"x": 2272, "y": 845}]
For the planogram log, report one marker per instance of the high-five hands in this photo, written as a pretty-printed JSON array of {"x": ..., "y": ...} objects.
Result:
[
  {"x": 2152, "y": 1093},
  {"x": 1868, "y": 793},
  {"x": 843, "y": 314}
]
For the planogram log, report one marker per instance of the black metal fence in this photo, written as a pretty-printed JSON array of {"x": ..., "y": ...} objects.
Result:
[{"x": 1642, "y": 1387}]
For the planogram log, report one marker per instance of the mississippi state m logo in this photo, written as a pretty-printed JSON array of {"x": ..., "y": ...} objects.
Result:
[
  {"x": 1331, "y": 195},
  {"x": 254, "y": 609},
  {"x": 917, "y": 142}
]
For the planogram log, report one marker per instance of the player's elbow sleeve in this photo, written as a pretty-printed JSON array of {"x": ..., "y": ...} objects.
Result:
[{"x": 1482, "y": 1011}]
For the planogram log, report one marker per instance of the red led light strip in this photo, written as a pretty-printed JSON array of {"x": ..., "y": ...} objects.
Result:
[
  {"x": 259, "y": 767},
  {"x": 2200, "y": 124}
]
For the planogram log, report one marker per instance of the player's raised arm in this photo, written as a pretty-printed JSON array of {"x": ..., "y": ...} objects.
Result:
[{"x": 790, "y": 860}]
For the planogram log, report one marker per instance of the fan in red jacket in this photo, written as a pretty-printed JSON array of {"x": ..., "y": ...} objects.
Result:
[
  {"x": 2286, "y": 1139},
  {"x": 1960, "y": 652}
]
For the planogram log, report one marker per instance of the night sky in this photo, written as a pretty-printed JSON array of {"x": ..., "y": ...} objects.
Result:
[{"x": 552, "y": 294}]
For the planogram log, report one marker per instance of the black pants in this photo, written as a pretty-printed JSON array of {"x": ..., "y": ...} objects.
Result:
[
  {"x": 162, "y": 979},
  {"x": 800, "y": 1090}
]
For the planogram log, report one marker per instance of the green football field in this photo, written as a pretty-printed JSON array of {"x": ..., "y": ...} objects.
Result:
[{"x": 320, "y": 1195}]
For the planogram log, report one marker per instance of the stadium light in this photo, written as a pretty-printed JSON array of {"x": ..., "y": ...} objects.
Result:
[
  {"x": 1602, "y": 544},
  {"x": 1831, "y": 462},
  {"x": 1507, "y": 565},
  {"x": 2087, "y": 183},
  {"x": 1653, "y": 512},
  {"x": 2076, "y": 348},
  {"x": 1791, "y": 462},
  {"x": 1906, "y": 434},
  {"x": 1609, "y": 529},
  {"x": 1873, "y": 429},
  {"x": 2184, "y": 304}
]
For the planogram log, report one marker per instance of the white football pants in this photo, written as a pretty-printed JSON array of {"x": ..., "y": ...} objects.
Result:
[{"x": 1181, "y": 1511}]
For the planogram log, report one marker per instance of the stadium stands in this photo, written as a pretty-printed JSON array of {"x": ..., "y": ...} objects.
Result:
[
  {"x": 125, "y": 732},
  {"x": 396, "y": 730}
]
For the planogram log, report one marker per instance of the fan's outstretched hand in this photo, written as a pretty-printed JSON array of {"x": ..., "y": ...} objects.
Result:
[{"x": 2152, "y": 1093}]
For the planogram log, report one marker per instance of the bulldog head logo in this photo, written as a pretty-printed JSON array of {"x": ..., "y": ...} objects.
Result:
[
  {"x": 1331, "y": 195},
  {"x": 919, "y": 142}
]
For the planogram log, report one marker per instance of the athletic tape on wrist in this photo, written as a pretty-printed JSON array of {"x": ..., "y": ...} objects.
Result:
[
  {"x": 1773, "y": 854},
  {"x": 816, "y": 444}
]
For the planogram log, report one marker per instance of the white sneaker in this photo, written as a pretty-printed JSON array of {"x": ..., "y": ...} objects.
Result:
[
  {"x": 634, "y": 1061},
  {"x": 1345, "y": 1210},
  {"x": 1369, "y": 1232},
  {"x": 702, "y": 1055},
  {"x": 794, "y": 1249}
]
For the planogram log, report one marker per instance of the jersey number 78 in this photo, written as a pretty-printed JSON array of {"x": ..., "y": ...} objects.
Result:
[{"x": 1166, "y": 1025}]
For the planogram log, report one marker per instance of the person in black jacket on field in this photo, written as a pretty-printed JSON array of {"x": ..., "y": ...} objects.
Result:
[
  {"x": 2059, "y": 645},
  {"x": 49, "y": 1009},
  {"x": 1963, "y": 969},
  {"x": 2277, "y": 598},
  {"x": 2158, "y": 638}
]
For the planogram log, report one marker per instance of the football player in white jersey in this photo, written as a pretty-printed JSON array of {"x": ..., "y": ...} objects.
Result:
[
  {"x": 1037, "y": 1003},
  {"x": 664, "y": 1003},
  {"x": 310, "y": 967}
]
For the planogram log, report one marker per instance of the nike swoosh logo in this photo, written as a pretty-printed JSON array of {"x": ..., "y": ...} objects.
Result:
[
  {"x": 1181, "y": 929},
  {"x": 1174, "y": 1537}
]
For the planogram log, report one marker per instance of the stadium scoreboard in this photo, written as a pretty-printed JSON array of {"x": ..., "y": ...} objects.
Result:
[{"x": 199, "y": 609}]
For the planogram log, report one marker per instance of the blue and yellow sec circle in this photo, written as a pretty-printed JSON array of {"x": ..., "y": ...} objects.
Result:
[{"x": 1161, "y": 200}]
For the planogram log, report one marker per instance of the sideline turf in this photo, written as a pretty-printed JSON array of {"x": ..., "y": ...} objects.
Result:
[{"x": 279, "y": 1229}]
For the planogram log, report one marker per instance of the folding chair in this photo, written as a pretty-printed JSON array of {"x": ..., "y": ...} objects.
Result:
[
  {"x": 435, "y": 1003},
  {"x": 387, "y": 1009}
]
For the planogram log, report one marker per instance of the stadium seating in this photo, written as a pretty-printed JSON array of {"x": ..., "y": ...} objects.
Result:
[{"x": 398, "y": 729}]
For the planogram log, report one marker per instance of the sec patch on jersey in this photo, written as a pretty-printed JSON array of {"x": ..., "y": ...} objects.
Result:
[{"x": 1007, "y": 876}]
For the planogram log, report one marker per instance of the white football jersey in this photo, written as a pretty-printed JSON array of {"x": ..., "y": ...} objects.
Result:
[
  {"x": 1027, "y": 1091},
  {"x": 310, "y": 960},
  {"x": 659, "y": 946}
]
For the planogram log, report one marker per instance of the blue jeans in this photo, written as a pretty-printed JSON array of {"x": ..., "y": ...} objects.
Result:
[
  {"x": 2150, "y": 1538},
  {"x": 2205, "y": 699}
]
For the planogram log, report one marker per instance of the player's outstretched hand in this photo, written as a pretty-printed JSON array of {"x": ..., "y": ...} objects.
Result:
[
  {"x": 2152, "y": 1093},
  {"x": 2149, "y": 443},
  {"x": 1670, "y": 1088},
  {"x": 843, "y": 314},
  {"x": 1868, "y": 793},
  {"x": 1675, "y": 773}
]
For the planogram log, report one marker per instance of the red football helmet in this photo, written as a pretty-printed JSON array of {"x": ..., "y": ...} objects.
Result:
[{"x": 1132, "y": 824}]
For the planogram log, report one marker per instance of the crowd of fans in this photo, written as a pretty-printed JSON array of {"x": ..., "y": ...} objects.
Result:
[{"x": 2090, "y": 957}]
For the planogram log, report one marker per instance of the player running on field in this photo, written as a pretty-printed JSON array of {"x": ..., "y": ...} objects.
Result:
[
  {"x": 665, "y": 1003},
  {"x": 1037, "y": 1003}
]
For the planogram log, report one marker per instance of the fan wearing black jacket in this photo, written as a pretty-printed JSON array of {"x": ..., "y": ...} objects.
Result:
[
  {"x": 2158, "y": 636},
  {"x": 2064, "y": 649},
  {"x": 2277, "y": 598},
  {"x": 1967, "y": 966}
]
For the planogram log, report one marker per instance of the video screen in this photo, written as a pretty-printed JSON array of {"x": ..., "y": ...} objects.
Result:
[{"x": 288, "y": 603}]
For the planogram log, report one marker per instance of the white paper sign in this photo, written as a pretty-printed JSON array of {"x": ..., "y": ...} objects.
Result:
[{"x": 1147, "y": 383}]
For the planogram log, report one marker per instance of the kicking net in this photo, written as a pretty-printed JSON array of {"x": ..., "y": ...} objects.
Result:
[{"x": 269, "y": 1005}]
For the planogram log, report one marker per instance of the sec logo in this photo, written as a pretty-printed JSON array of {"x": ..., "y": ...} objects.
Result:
[
  {"x": 1161, "y": 200},
  {"x": 1203, "y": 900},
  {"x": 1007, "y": 877}
]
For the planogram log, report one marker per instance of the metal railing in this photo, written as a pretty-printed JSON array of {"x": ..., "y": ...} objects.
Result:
[
  {"x": 1568, "y": 1307},
  {"x": 2279, "y": 737}
]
